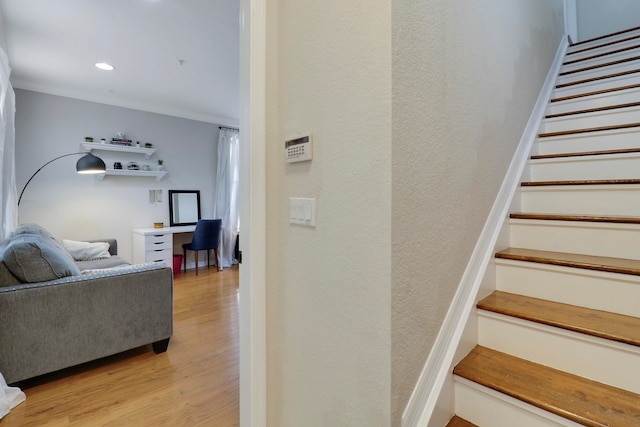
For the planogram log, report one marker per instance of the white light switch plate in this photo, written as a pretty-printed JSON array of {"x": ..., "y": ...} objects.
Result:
[{"x": 302, "y": 211}]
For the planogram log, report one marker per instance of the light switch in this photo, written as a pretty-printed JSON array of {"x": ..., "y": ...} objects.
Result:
[{"x": 302, "y": 211}]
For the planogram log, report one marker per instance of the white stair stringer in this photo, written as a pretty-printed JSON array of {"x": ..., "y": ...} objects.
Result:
[
  {"x": 600, "y": 100},
  {"x": 617, "y": 139},
  {"x": 600, "y": 167},
  {"x": 598, "y": 290},
  {"x": 604, "y": 199},
  {"x": 573, "y": 352},
  {"x": 489, "y": 408},
  {"x": 605, "y": 239}
]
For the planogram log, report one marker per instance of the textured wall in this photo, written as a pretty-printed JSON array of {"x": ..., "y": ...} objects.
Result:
[
  {"x": 597, "y": 17},
  {"x": 465, "y": 77},
  {"x": 328, "y": 286}
]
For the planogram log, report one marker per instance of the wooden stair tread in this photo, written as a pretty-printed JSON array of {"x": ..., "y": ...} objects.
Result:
[
  {"x": 456, "y": 421},
  {"x": 602, "y": 45},
  {"x": 581, "y": 400},
  {"x": 618, "y": 219},
  {"x": 601, "y": 55},
  {"x": 597, "y": 78},
  {"x": 595, "y": 92},
  {"x": 582, "y": 218},
  {"x": 588, "y": 262},
  {"x": 582, "y": 182},
  {"x": 593, "y": 110},
  {"x": 597, "y": 323},
  {"x": 606, "y": 36},
  {"x": 585, "y": 153},
  {"x": 587, "y": 130},
  {"x": 602, "y": 65}
]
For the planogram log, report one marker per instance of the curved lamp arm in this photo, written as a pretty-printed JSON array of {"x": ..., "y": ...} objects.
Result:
[{"x": 86, "y": 164}]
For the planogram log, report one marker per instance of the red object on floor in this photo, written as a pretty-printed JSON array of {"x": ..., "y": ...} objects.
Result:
[{"x": 177, "y": 264}]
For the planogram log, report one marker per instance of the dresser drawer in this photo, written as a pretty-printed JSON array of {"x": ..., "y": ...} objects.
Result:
[
  {"x": 158, "y": 241},
  {"x": 161, "y": 255}
]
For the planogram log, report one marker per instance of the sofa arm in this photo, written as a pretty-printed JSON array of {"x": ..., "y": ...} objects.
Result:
[{"x": 49, "y": 326}]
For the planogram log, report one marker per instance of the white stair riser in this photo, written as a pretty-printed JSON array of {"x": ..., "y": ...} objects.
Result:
[
  {"x": 594, "y": 43},
  {"x": 596, "y": 85},
  {"x": 598, "y": 72},
  {"x": 489, "y": 408},
  {"x": 614, "y": 117},
  {"x": 629, "y": 44},
  {"x": 609, "y": 166},
  {"x": 598, "y": 290},
  {"x": 588, "y": 141},
  {"x": 582, "y": 199},
  {"x": 587, "y": 238},
  {"x": 594, "y": 101},
  {"x": 532, "y": 341}
]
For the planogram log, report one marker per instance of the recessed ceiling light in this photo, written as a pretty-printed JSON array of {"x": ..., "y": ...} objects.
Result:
[{"x": 104, "y": 66}]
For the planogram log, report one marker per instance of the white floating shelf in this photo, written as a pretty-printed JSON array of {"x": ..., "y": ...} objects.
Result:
[
  {"x": 88, "y": 146},
  {"x": 126, "y": 172}
]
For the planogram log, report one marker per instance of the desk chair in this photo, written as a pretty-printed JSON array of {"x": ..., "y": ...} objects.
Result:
[{"x": 206, "y": 236}]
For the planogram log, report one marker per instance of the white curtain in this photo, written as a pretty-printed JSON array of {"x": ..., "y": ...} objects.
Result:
[
  {"x": 9, "y": 396},
  {"x": 226, "y": 197},
  {"x": 8, "y": 191}
]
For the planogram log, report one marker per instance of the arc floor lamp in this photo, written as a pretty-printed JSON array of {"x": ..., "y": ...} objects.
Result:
[{"x": 87, "y": 164}]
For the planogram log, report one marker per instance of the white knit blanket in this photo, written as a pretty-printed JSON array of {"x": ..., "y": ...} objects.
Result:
[{"x": 10, "y": 397}]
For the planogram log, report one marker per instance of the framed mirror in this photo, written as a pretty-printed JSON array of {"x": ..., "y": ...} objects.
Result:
[{"x": 184, "y": 207}]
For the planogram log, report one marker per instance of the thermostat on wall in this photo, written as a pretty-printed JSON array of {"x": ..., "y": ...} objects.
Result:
[{"x": 298, "y": 148}]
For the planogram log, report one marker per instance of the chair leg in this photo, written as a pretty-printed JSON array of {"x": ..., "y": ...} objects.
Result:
[
  {"x": 196, "y": 262},
  {"x": 208, "y": 262},
  {"x": 184, "y": 259},
  {"x": 215, "y": 252}
]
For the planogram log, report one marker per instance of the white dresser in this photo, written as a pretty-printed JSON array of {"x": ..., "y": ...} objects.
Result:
[{"x": 156, "y": 244}]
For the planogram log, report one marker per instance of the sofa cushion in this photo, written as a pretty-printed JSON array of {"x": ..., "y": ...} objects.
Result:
[
  {"x": 35, "y": 258},
  {"x": 6, "y": 277},
  {"x": 94, "y": 264},
  {"x": 85, "y": 251}
]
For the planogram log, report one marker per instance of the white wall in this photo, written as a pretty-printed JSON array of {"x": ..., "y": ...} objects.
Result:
[
  {"x": 465, "y": 78},
  {"x": 597, "y": 17},
  {"x": 328, "y": 287},
  {"x": 78, "y": 207}
]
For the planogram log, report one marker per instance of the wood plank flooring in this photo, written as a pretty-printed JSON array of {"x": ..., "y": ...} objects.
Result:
[{"x": 194, "y": 383}]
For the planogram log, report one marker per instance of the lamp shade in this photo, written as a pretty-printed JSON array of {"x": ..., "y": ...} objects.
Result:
[{"x": 90, "y": 164}]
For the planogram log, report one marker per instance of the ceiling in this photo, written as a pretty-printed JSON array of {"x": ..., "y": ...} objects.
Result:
[{"x": 174, "y": 57}]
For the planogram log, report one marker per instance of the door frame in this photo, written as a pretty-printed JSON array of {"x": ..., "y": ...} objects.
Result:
[{"x": 253, "y": 213}]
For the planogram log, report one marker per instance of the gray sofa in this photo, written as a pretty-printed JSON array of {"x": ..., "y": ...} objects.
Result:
[{"x": 57, "y": 311}]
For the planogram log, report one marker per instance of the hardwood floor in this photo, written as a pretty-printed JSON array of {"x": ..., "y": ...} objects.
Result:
[{"x": 194, "y": 383}]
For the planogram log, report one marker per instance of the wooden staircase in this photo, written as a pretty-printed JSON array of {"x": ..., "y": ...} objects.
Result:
[{"x": 559, "y": 338}]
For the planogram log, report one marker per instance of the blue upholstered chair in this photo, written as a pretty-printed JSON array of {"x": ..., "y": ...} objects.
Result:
[{"x": 205, "y": 237}]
